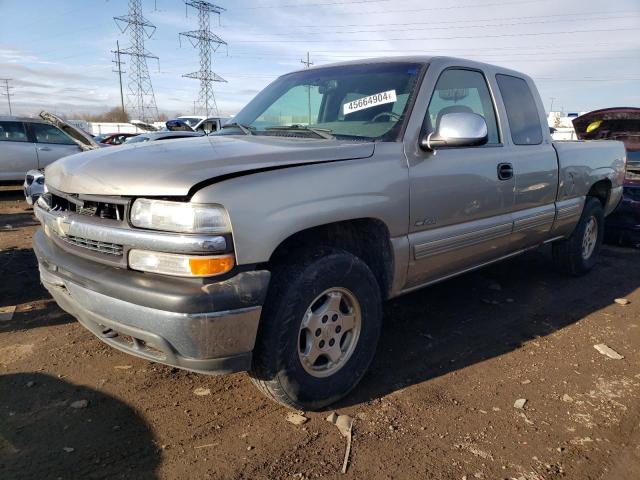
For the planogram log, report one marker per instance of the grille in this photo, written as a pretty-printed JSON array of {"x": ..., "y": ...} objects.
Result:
[
  {"x": 107, "y": 210},
  {"x": 90, "y": 211},
  {"x": 93, "y": 245}
]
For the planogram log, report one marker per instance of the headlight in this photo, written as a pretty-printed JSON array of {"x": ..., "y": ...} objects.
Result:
[
  {"x": 180, "y": 217},
  {"x": 180, "y": 265}
]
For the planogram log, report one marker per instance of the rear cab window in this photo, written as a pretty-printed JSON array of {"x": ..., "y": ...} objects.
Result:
[
  {"x": 522, "y": 113},
  {"x": 13, "y": 132}
]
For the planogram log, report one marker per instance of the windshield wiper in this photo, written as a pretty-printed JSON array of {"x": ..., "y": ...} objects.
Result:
[
  {"x": 246, "y": 129},
  {"x": 320, "y": 132}
]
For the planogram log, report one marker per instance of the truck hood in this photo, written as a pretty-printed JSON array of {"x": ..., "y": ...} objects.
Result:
[{"x": 173, "y": 167}]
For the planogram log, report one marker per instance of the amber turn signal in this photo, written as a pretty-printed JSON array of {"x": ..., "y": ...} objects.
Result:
[
  {"x": 209, "y": 266},
  {"x": 180, "y": 265}
]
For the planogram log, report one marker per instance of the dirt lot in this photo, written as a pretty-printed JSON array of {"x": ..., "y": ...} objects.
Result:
[{"x": 438, "y": 402}]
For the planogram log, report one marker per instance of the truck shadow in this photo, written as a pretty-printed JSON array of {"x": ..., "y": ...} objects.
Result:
[
  {"x": 20, "y": 286},
  {"x": 485, "y": 314},
  {"x": 42, "y": 436}
]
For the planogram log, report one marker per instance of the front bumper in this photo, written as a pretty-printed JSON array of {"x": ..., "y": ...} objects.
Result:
[{"x": 207, "y": 328}]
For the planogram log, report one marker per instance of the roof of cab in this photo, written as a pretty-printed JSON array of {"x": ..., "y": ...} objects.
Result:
[{"x": 424, "y": 59}]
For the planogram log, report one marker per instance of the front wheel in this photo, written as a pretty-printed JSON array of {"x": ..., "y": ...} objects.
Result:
[
  {"x": 319, "y": 330},
  {"x": 578, "y": 254}
]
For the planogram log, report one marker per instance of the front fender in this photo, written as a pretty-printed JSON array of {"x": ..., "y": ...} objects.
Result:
[{"x": 266, "y": 208}]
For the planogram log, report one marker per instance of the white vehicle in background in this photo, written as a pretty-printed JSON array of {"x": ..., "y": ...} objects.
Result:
[{"x": 204, "y": 124}]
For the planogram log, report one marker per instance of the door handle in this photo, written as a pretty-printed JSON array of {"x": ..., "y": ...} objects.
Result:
[
  {"x": 505, "y": 171},
  {"x": 44, "y": 149}
]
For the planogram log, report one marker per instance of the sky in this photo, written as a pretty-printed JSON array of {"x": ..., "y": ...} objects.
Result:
[{"x": 583, "y": 54}]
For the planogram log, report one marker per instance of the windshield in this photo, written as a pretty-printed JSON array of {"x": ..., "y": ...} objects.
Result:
[{"x": 368, "y": 102}]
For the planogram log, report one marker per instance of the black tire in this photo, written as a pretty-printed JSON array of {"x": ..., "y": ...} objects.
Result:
[
  {"x": 277, "y": 369},
  {"x": 568, "y": 254}
]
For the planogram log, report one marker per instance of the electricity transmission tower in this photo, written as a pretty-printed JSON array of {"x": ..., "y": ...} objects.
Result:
[
  {"x": 141, "y": 101},
  {"x": 7, "y": 93},
  {"x": 207, "y": 43}
]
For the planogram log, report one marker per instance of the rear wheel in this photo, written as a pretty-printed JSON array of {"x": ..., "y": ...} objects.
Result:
[
  {"x": 578, "y": 254},
  {"x": 319, "y": 330}
]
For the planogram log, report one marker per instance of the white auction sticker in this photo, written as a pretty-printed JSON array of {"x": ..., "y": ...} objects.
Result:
[{"x": 370, "y": 101}]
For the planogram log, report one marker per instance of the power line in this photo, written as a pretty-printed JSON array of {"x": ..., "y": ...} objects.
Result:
[
  {"x": 431, "y": 28},
  {"x": 597, "y": 15},
  {"x": 545, "y": 19},
  {"x": 141, "y": 99},
  {"x": 469, "y": 37},
  {"x": 317, "y": 4},
  {"x": 355, "y": 2},
  {"x": 207, "y": 42},
  {"x": 8, "y": 93}
]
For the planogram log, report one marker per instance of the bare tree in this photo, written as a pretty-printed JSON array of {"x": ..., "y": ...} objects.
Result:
[{"x": 115, "y": 115}]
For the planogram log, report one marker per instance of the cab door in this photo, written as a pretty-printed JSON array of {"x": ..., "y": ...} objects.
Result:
[
  {"x": 461, "y": 199},
  {"x": 52, "y": 143},
  {"x": 534, "y": 161},
  {"x": 17, "y": 152}
]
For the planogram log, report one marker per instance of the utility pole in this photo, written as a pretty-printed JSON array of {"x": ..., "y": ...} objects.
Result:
[
  {"x": 207, "y": 43},
  {"x": 551, "y": 107},
  {"x": 8, "y": 93},
  {"x": 140, "y": 99},
  {"x": 119, "y": 71},
  {"x": 307, "y": 64}
]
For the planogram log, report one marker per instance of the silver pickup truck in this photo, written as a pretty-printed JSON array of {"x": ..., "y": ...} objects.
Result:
[{"x": 270, "y": 246}]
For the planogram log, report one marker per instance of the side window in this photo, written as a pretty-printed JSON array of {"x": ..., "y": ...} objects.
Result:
[
  {"x": 12, "y": 132},
  {"x": 46, "y": 133},
  {"x": 299, "y": 105},
  {"x": 460, "y": 90},
  {"x": 522, "y": 113}
]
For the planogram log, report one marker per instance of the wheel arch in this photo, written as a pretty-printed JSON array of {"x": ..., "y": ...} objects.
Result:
[
  {"x": 367, "y": 238},
  {"x": 602, "y": 191}
]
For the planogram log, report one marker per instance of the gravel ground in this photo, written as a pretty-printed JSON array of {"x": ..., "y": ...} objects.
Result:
[{"x": 438, "y": 402}]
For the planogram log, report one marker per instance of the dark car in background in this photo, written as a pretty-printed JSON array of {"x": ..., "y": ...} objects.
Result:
[{"x": 623, "y": 225}]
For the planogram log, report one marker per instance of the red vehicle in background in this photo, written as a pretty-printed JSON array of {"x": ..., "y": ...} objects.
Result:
[{"x": 623, "y": 225}]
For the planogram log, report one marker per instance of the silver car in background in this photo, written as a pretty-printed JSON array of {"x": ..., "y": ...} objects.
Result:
[{"x": 27, "y": 145}]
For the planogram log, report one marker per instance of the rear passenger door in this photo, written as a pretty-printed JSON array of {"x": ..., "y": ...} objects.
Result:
[
  {"x": 17, "y": 153},
  {"x": 52, "y": 143},
  {"x": 534, "y": 162}
]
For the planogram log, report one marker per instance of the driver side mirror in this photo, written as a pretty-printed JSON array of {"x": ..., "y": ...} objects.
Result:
[{"x": 458, "y": 129}]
